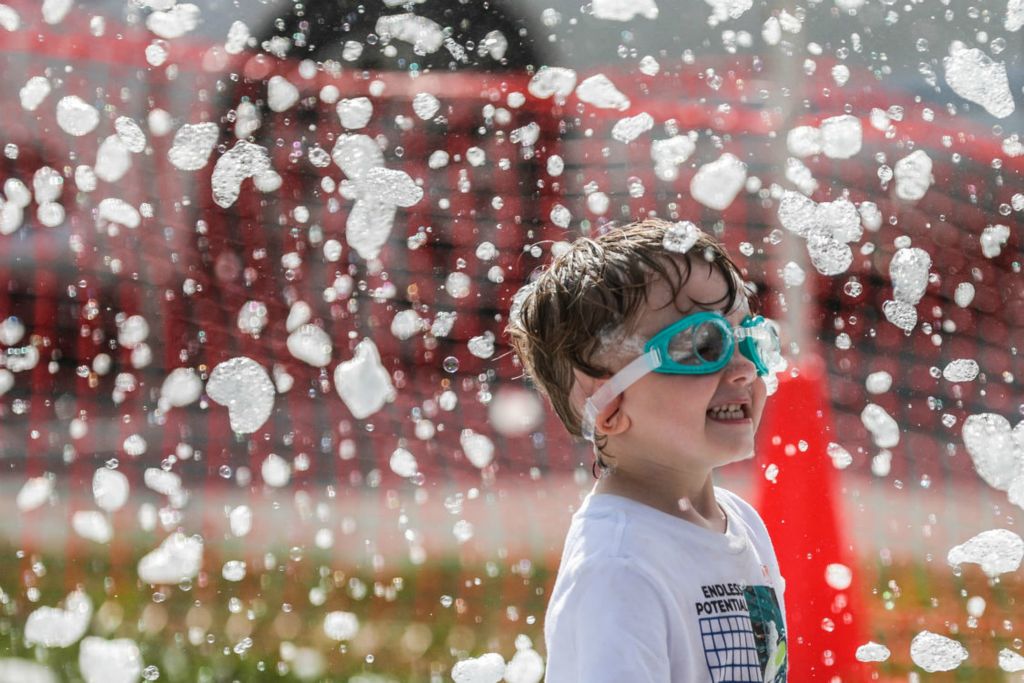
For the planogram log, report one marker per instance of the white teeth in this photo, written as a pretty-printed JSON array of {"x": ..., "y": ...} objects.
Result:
[{"x": 732, "y": 411}]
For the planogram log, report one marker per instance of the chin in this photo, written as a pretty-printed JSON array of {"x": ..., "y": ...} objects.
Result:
[{"x": 738, "y": 455}]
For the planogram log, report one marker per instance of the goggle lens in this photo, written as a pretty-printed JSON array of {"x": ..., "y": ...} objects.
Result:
[{"x": 699, "y": 345}]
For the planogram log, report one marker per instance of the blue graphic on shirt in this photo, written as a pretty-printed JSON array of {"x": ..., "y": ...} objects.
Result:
[{"x": 743, "y": 634}]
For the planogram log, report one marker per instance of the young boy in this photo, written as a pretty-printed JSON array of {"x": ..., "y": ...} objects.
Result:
[{"x": 653, "y": 355}]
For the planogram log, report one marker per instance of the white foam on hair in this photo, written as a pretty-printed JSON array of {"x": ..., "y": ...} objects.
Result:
[{"x": 618, "y": 340}]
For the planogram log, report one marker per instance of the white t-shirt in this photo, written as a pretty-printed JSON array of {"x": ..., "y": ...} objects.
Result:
[{"x": 642, "y": 596}]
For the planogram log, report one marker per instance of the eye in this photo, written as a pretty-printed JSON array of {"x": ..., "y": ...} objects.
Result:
[{"x": 708, "y": 341}]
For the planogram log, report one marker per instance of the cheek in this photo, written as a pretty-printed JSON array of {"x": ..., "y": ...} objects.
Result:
[{"x": 760, "y": 397}]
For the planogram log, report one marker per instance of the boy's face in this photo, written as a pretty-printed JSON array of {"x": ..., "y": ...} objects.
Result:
[{"x": 671, "y": 425}]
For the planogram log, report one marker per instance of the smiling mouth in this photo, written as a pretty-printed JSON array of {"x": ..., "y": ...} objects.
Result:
[{"x": 737, "y": 414}]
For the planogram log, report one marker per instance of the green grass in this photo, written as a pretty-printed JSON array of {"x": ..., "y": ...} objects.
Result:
[{"x": 416, "y": 622}]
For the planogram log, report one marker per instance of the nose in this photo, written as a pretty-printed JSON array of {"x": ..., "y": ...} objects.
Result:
[{"x": 740, "y": 370}]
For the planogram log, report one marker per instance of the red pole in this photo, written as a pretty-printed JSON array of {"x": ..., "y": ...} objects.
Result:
[{"x": 804, "y": 518}]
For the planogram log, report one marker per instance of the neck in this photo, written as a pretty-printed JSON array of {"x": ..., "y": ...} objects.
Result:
[{"x": 688, "y": 498}]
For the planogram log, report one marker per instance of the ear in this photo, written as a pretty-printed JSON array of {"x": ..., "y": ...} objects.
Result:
[{"x": 610, "y": 421}]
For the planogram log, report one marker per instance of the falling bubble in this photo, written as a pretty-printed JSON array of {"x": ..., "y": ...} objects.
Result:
[
  {"x": 649, "y": 66},
  {"x": 560, "y": 216},
  {"x": 181, "y": 387},
  {"x": 841, "y": 136},
  {"x": 964, "y": 294},
  {"x": 233, "y": 570},
  {"x": 130, "y": 134},
  {"x": 841, "y": 458},
  {"x": 355, "y": 113},
  {"x": 109, "y": 661},
  {"x": 479, "y": 449},
  {"x": 109, "y": 489},
  {"x": 599, "y": 91},
  {"x": 362, "y": 382},
  {"x": 425, "y": 105},
  {"x": 34, "y": 493},
  {"x": 488, "y": 668},
  {"x": 403, "y": 463},
  {"x": 993, "y": 238},
  {"x": 716, "y": 184},
  {"x": 838, "y": 576},
  {"x": 630, "y": 128},
  {"x": 156, "y": 53},
  {"x": 92, "y": 525},
  {"x": 1009, "y": 660},
  {"x": 238, "y": 37},
  {"x": 463, "y": 531},
  {"x": 913, "y": 176},
  {"x": 243, "y": 386},
  {"x": 804, "y": 141},
  {"x": 34, "y": 92},
  {"x": 426, "y": 36},
  {"x": 240, "y": 520},
  {"x": 311, "y": 345},
  {"x": 680, "y": 237},
  {"x": 872, "y": 652},
  {"x": 884, "y": 429},
  {"x": 60, "y": 627},
  {"x": 933, "y": 652},
  {"x": 75, "y": 116},
  {"x": 482, "y": 346},
  {"x": 341, "y": 625},
  {"x": 992, "y": 445},
  {"x": 494, "y": 44},
  {"x": 974, "y": 76},
  {"x": 624, "y": 10},
  {"x": 552, "y": 81},
  {"x": 176, "y": 559},
  {"x": 998, "y": 551},
  {"x": 961, "y": 370},
  {"x": 175, "y": 22},
  {"x": 244, "y": 160},
  {"x": 669, "y": 154}
]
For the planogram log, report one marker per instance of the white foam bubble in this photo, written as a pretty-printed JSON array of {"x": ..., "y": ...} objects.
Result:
[
  {"x": 34, "y": 92},
  {"x": 624, "y": 10},
  {"x": 479, "y": 449},
  {"x": 974, "y": 76},
  {"x": 34, "y": 493},
  {"x": 716, "y": 184},
  {"x": 362, "y": 382},
  {"x": 355, "y": 113},
  {"x": 933, "y": 652},
  {"x": 75, "y": 116},
  {"x": 488, "y": 668},
  {"x": 109, "y": 661},
  {"x": 426, "y": 36},
  {"x": 996, "y": 450},
  {"x": 176, "y": 559},
  {"x": 552, "y": 81},
  {"x": 599, "y": 91},
  {"x": 60, "y": 627},
  {"x": 340, "y": 625},
  {"x": 109, "y": 489},
  {"x": 243, "y": 386},
  {"x": 630, "y": 128}
]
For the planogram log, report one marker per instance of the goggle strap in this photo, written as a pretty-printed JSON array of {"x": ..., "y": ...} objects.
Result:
[{"x": 619, "y": 382}]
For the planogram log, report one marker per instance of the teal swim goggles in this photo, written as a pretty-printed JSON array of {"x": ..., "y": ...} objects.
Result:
[{"x": 700, "y": 344}]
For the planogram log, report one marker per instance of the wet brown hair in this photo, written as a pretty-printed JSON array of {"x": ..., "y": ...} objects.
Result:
[{"x": 596, "y": 287}]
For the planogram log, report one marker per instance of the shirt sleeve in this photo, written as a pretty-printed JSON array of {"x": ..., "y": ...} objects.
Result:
[{"x": 610, "y": 627}]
